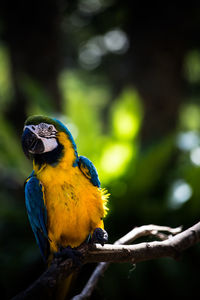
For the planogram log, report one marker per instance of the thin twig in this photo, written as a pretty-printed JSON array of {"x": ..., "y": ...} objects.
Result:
[{"x": 146, "y": 230}]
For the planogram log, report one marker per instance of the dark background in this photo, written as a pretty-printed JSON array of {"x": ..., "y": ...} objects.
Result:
[{"x": 125, "y": 78}]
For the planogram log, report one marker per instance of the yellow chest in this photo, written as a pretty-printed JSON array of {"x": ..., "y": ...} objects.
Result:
[{"x": 74, "y": 206}]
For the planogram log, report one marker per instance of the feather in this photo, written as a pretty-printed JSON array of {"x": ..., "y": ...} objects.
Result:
[
  {"x": 37, "y": 214},
  {"x": 89, "y": 170}
]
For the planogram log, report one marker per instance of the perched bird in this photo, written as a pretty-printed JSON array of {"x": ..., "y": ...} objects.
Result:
[{"x": 64, "y": 201}]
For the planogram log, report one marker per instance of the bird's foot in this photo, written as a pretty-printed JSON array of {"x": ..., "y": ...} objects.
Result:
[
  {"x": 99, "y": 236},
  {"x": 69, "y": 252}
]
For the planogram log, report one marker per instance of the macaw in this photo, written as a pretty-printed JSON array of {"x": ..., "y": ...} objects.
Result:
[{"x": 63, "y": 197}]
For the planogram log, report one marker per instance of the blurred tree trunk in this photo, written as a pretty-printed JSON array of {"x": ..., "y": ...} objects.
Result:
[
  {"x": 160, "y": 36},
  {"x": 157, "y": 72},
  {"x": 31, "y": 31}
]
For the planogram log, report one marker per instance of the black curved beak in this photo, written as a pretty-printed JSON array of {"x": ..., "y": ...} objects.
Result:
[{"x": 31, "y": 144}]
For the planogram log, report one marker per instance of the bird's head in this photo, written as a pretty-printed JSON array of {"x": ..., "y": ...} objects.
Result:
[{"x": 41, "y": 138}]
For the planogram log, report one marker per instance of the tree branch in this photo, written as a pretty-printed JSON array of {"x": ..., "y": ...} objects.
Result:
[
  {"x": 171, "y": 247},
  {"x": 137, "y": 232}
]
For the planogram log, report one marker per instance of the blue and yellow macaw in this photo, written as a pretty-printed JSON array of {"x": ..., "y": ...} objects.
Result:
[{"x": 64, "y": 201}]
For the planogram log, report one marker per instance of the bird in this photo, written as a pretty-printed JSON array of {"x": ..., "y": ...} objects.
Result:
[{"x": 63, "y": 196}]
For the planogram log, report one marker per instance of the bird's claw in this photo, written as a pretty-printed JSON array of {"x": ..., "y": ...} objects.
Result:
[
  {"x": 69, "y": 252},
  {"x": 99, "y": 236}
]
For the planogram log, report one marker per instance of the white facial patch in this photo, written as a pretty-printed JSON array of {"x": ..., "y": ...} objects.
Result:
[
  {"x": 46, "y": 133},
  {"x": 49, "y": 144}
]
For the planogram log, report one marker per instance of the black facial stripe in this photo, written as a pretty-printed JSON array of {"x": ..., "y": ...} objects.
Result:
[
  {"x": 48, "y": 137},
  {"x": 51, "y": 157}
]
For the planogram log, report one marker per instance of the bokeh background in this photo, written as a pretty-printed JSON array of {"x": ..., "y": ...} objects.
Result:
[{"x": 125, "y": 78}]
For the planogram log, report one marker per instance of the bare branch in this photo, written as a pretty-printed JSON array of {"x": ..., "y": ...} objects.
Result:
[
  {"x": 131, "y": 236},
  {"x": 146, "y": 230},
  {"x": 45, "y": 286},
  {"x": 145, "y": 251},
  {"x": 172, "y": 247},
  {"x": 92, "y": 282}
]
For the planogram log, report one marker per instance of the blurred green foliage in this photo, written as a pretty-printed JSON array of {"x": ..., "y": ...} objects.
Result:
[{"x": 158, "y": 183}]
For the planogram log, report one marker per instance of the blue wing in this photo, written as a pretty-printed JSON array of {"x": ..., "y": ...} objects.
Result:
[
  {"x": 89, "y": 170},
  {"x": 37, "y": 213}
]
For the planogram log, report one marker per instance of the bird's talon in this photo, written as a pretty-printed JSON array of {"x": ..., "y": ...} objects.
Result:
[
  {"x": 99, "y": 236},
  {"x": 69, "y": 252}
]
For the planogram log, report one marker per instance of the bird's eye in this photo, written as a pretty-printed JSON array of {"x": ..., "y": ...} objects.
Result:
[
  {"x": 50, "y": 128},
  {"x": 33, "y": 127}
]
